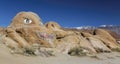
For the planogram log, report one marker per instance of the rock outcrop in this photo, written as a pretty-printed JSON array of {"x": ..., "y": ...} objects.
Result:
[
  {"x": 26, "y": 19},
  {"x": 56, "y": 28},
  {"x": 98, "y": 45},
  {"x": 27, "y": 30},
  {"x": 106, "y": 38}
]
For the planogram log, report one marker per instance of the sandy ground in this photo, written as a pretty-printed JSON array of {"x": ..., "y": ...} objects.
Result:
[{"x": 104, "y": 58}]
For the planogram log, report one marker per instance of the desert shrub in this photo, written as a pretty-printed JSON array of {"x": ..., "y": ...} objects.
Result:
[
  {"x": 116, "y": 49},
  {"x": 78, "y": 51}
]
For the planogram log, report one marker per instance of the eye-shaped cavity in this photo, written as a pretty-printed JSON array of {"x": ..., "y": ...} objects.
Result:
[
  {"x": 53, "y": 25},
  {"x": 27, "y": 21}
]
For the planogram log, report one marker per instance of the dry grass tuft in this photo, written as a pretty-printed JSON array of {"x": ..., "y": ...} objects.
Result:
[
  {"x": 116, "y": 49},
  {"x": 78, "y": 51}
]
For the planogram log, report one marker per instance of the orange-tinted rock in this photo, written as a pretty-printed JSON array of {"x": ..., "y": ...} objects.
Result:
[
  {"x": 2, "y": 31},
  {"x": 56, "y": 28},
  {"x": 39, "y": 35},
  {"x": 26, "y": 18},
  {"x": 11, "y": 33},
  {"x": 26, "y": 29},
  {"x": 52, "y": 25}
]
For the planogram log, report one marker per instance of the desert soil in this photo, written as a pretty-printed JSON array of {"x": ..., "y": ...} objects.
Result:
[{"x": 103, "y": 58}]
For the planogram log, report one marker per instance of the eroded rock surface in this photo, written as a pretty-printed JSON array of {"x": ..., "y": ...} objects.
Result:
[{"x": 27, "y": 32}]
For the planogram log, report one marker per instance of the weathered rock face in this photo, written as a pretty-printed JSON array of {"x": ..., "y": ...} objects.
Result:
[
  {"x": 65, "y": 44},
  {"x": 1, "y": 28},
  {"x": 39, "y": 35},
  {"x": 27, "y": 29},
  {"x": 1, "y": 32},
  {"x": 11, "y": 33},
  {"x": 106, "y": 38},
  {"x": 85, "y": 34},
  {"x": 86, "y": 44},
  {"x": 56, "y": 28},
  {"x": 98, "y": 45},
  {"x": 104, "y": 34},
  {"x": 26, "y": 19},
  {"x": 52, "y": 25}
]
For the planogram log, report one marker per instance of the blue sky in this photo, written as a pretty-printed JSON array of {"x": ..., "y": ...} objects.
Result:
[{"x": 68, "y": 13}]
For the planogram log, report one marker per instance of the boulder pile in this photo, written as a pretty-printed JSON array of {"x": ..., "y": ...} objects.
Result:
[{"x": 28, "y": 34}]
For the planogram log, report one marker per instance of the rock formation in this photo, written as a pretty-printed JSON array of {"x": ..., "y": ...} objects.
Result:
[
  {"x": 26, "y": 19},
  {"x": 106, "y": 38},
  {"x": 26, "y": 30}
]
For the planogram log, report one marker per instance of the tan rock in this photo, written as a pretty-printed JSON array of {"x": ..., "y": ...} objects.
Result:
[
  {"x": 25, "y": 18},
  {"x": 85, "y": 34},
  {"x": 37, "y": 34},
  {"x": 104, "y": 34},
  {"x": 65, "y": 44},
  {"x": 106, "y": 38},
  {"x": 56, "y": 28},
  {"x": 10, "y": 42},
  {"x": 2, "y": 31},
  {"x": 98, "y": 45},
  {"x": 52, "y": 25},
  {"x": 26, "y": 29},
  {"x": 86, "y": 44},
  {"x": 107, "y": 42},
  {"x": 16, "y": 37}
]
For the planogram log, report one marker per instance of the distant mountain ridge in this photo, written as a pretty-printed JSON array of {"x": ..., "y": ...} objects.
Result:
[{"x": 113, "y": 28}]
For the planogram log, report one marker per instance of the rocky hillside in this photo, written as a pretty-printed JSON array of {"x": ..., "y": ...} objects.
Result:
[
  {"x": 27, "y": 35},
  {"x": 112, "y": 29}
]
